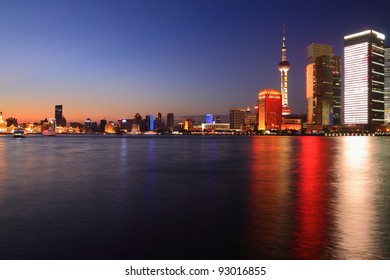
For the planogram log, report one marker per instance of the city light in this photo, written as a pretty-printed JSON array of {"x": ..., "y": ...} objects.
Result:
[{"x": 356, "y": 84}]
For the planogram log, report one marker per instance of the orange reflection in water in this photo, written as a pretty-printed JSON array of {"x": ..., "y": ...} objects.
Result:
[
  {"x": 267, "y": 223},
  {"x": 312, "y": 196}
]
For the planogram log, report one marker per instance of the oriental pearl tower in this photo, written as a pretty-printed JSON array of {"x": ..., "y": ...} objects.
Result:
[{"x": 283, "y": 67}]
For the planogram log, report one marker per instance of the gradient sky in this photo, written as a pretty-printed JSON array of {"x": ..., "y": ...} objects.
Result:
[{"x": 115, "y": 58}]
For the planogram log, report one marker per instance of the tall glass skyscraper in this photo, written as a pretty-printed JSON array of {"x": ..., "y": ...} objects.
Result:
[
  {"x": 387, "y": 85},
  {"x": 270, "y": 109},
  {"x": 364, "y": 58},
  {"x": 323, "y": 86}
]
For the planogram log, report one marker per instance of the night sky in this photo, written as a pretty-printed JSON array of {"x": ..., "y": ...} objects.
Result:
[{"x": 113, "y": 59}]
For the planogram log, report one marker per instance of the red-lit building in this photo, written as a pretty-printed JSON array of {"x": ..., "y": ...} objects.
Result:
[{"x": 270, "y": 109}]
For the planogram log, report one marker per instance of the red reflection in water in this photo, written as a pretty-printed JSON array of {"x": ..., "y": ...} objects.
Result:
[
  {"x": 310, "y": 236},
  {"x": 267, "y": 226}
]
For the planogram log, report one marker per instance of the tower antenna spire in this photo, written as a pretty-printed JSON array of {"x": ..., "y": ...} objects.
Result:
[
  {"x": 284, "y": 57},
  {"x": 283, "y": 67}
]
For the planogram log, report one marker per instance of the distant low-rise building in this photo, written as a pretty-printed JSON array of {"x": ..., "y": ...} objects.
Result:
[{"x": 236, "y": 116}]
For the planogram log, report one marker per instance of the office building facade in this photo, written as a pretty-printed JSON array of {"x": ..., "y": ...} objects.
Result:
[
  {"x": 236, "y": 118},
  {"x": 270, "y": 109},
  {"x": 323, "y": 90},
  {"x": 387, "y": 85},
  {"x": 364, "y": 77}
]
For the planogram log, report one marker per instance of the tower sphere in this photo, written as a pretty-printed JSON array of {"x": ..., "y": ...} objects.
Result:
[{"x": 284, "y": 65}]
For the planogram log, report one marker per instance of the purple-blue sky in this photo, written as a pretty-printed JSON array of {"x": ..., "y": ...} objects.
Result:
[{"x": 115, "y": 58}]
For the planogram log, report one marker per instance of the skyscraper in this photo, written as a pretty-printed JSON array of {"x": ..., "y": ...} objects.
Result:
[
  {"x": 60, "y": 119},
  {"x": 58, "y": 114},
  {"x": 283, "y": 67},
  {"x": 88, "y": 125},
  {"x": 364, "y": 58},
  {"x": 150, "y": 123},
  {"x": 158, "y": 123},
  {"x": 270, "y": 109},
  {"x": 170, "y": 122},
  {"x": 322, "y": 86},
  {"x": 387, "y": 85}
]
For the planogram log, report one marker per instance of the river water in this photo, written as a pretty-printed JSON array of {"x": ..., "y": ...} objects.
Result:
[{"x": 194, "y": 197}]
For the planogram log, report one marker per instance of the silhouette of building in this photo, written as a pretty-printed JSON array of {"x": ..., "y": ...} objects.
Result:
[
  {"x": 88, "y": 125},
  {"x": 102, "y": 125},
  {"x": 170, "y": 122},
  {"x": 158, "y": 123},
  {"x": 58, "y": 114},
  {"x": 125, "y": 125},
  {"x": 137, "y": 120}
]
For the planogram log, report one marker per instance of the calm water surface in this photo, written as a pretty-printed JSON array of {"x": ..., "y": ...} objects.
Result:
[{"x": 167, "y": 197}]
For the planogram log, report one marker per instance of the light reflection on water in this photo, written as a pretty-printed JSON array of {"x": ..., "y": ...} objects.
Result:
[
  {"x": 95, "y": 197},
  {"x": 357, "y": 185}
]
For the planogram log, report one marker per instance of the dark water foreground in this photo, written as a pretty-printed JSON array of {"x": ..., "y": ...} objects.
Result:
[{"x": 99, "y": 197}]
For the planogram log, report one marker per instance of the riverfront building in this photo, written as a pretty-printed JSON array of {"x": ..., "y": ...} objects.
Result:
[
  {"x": 237, "y": 116},
  {"x": 387, "y": 85},
  {"x": 209, "y": 118},
  {"x": 270, "y": 109},
  {"x": 3, "y": 125},
  {"x": 58, "y": 114},
  {"x": 170, "y": 122},
  {"x": 364, "y": 58},
  {"x": 323, "y": 94}
]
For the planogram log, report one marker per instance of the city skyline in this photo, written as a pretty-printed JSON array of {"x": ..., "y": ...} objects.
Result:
[{"x": 112, "y": 60}]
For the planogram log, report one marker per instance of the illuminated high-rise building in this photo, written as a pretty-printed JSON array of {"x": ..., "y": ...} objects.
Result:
[
  {"x": 364, "y": 58},
  {"x": 88, "y": 125},
  {"x": 323, "y": 94},
  {"x": 209, "y": 118},
  {"x": 270, "y": 109},
  {"x": 283, "y": 67},
  {"x": 3, "y": 125},
  {"x": 387, "y": 85},
  {"x": 150, "y": 123}
]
